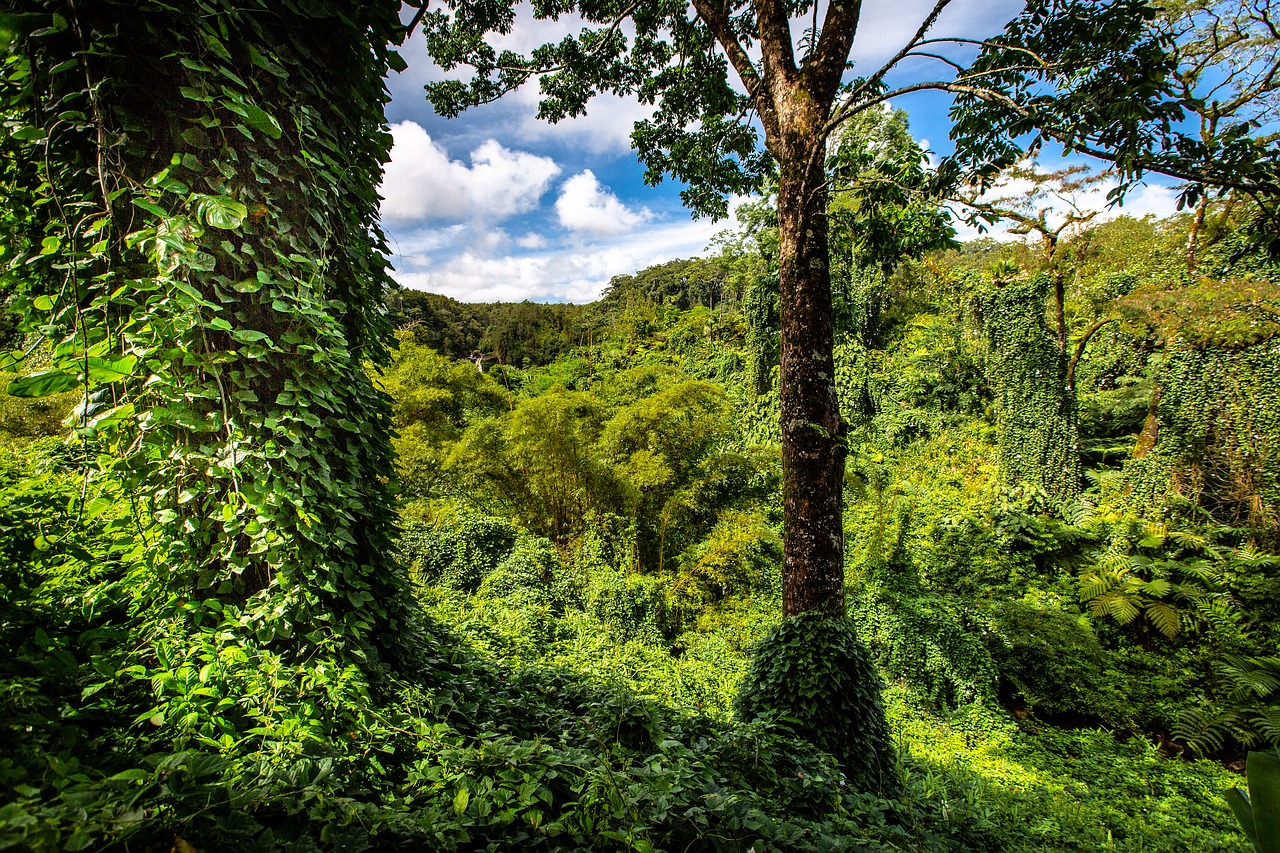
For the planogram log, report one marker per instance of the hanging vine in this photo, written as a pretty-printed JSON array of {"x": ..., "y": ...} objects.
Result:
[
  {"x": 1037, "y": 411},
  {"x": 199, "y": 244}
]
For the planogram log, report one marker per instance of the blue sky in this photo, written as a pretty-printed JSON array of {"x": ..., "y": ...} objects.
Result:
[{"x": 497, "y": 206}]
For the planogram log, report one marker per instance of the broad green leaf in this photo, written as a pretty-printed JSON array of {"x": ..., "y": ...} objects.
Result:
[
  {"x": 257, "y": 118},
  {"x": 1263, "y": 772},
  {"x": 43, "y": 384},
  {"x": 221, "y": 212},
  {"x": 251, "y": 336},
  {"x": 100, "y": 370},
  {"x": 1238, "y": 799},
  {"x": 461, "y": 800},
  {"x": 150, "y": 207}
]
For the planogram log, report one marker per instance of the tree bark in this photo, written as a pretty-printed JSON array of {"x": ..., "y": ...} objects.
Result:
[
  {"x": 1193, "y": 235},
  {"x": 813, "y": 449}
]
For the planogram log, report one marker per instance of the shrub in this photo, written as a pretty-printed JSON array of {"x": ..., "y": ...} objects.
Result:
[
  {"x": 1051, "y": 661},
  {"x": 458, "y": 550},
  {"x": 923, "y": 642},
  {"x": 815, "y": 676}
]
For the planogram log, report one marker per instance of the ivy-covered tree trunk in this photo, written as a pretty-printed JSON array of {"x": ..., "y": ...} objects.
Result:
[
  {"x": 205, "y": 255},
  {"x": 1038, "y": 414}
]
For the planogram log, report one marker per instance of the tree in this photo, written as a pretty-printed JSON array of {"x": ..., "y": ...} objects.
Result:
[
  {"x": 197, "y": 237},
  {"x": 1048, "y": 69},
  {"x": 1228, "y": 74}
]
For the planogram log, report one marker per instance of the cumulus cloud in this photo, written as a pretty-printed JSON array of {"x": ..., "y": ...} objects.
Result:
[
  {"x": 573, "y": 271},
  {"x": 587, "y": 207},
  {"x": 1148, "y": 199},
  {"x": 422, "y": 182}
]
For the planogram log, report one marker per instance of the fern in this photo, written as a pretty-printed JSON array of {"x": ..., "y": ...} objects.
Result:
[{"x": 1249, "y": 713}]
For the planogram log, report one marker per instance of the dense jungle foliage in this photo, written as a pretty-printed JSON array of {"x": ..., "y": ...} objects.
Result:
[
  {"x": 593, "y": 539},
  {"x": 268, "y": 582}
]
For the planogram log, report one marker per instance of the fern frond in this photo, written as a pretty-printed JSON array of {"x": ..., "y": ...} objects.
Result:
[
  {"x": 1114, "y": 561},
  {"x": 1094, "y": 586},
  {"x": 1165, "y": 618},
  {"x": 1187, "y": 539},
  {"x": 1251, "y": 558},
  {"x": 1122, "y": 609}
]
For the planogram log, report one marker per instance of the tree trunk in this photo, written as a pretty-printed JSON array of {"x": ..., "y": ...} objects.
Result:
[
  {"x": 1193, "y": 236},
  {"x": 813, "y": 449}
]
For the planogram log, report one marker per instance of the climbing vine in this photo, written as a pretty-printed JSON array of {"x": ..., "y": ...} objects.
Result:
[
  {"x": 1038, "y": 418},
  {"x": 199, "y": 246}
]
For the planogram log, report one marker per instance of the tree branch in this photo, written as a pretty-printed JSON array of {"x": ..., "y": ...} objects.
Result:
[
  {"x": 875, "y": 79},
  {"x": 1075, "y": 359},
  {"x": 825, "y": 65},
  {"x": 717, "y": 20}
]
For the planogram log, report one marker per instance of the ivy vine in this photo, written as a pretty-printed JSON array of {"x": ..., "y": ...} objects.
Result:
[
  {"x": 1036, "y": 410},
  {"x": 193, "y": 227}
]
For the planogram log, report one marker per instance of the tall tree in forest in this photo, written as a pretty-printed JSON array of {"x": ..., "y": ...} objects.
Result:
[{"x": 1085, "y": 73}]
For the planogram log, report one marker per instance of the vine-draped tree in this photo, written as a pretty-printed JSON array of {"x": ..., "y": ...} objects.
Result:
[
  {"x": 723, "y": 73},
  {"x": 192, "y": 222}
]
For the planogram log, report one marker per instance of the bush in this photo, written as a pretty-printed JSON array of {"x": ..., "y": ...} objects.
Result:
[
  {"x": 1051, "y": 662},
  {"x": 631, "y": 605},
  {"x": 923, "y": 642},
  {"x": 458, "y": 550},
  {"x": 531, "y": 570},
  {"x": 813, "y": 674}
]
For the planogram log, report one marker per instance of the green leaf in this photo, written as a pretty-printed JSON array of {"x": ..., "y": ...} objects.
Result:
[
  {"x": 221, "y": 212},
  {"x": 1238, "y": 799},
  {"x": 43, "y": 384},
  {"x": 150, "y": 207},
  {"x": 1263, "y": 772},
  {"x": 1165, "y": 618},
  {"x": 256, "y": 117},
  {"x": 460, "y": 801},
  {"x": 396, "y": 62},
  {"x": 251, "y": 336},
  {"x": 99, "y": 370},
  {"x": 79, "y": 840}
]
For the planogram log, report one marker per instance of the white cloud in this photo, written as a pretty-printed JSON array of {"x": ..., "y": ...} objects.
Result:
[
  {"x": 587, "y": 207},
  {"x": 532, "y": 240},
  {"x": 1148, "y": 199},
  {"x": 421, "y": 182},
  {"x": 605, "y": 129},
  {"x": 577, "y": 273}
]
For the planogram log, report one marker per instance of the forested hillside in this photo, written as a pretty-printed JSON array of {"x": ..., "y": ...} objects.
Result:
[
  {"x": 1070, "y": 575},
  {"x": 847, "y": 537}
]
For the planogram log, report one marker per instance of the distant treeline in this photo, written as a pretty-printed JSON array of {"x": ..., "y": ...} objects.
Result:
[{"x": 532, "y": 334}]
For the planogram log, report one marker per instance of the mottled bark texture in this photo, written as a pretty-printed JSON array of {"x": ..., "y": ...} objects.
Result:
[{"x": 813, "y": 449}]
